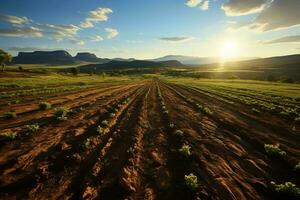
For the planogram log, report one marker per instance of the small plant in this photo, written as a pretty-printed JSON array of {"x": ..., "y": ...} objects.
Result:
[
  {"x": 130, "y": 150},
  {"x": 99, "y": 129},
  {"x": 287, "y": 188},
  {"x": 10, "y": 115},
  {"x": 11, "y": 135},
  {"x": 104, "y": 123},
  {"x": 44, "y": 106},
  {"x": 191, "y": 181},
  {"x": 87, "y": 143},
  {"x": 61, "y": 113},
  {"x": 274, "y": 150},
  {"x": 207, "y": 111},
  {"x": 297, "y": 167},
  {"x": 166, "y": 112},
  {"x": 111, "y": 115},
  {"x": 171, "y": 125},
  {"x": 185, "y": 150},
  {"x": 178, "y": 133},
  {"x": 255, "y": 110},
  {"x": 32, "y": 128}
]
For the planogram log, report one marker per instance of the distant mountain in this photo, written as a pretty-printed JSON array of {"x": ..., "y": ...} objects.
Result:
[
  {"x": 89, "y": 57},
  {"x": 259, "y": 68},
  {"x": 270, "y": 61},
  {"x": 44, "y": 57},
  {"x": 123, "y": 59},
  {"x": 61, "y": 57},
  {"x": 190, "y": 60},
  {"x": 118, "y": 65}
]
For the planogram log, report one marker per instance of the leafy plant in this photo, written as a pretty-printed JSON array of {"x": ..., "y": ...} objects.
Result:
[
  {"x": 171, "y": 125},
  {"x": 44, "y": 106},
  {"x": 61, "y": 113},
  {"x": 255, "y": 110},
  {"x": 185, "y": 150},
  {"x": 99, "y": 129},
  {"x": 32, "y": 128},
  {"x": 178, "y": 133},
  {"x": 297, "y": 167},
  {"x": 87, "y": 143},
  {"x": 130, "y": 150},
  {"x": 11, "y": 135},
  {"x": 274, "y": 150},
  {"x": 10, "y": 115},
  {"x": 287, "y": 188},
  {"x": 104, "y": 123},
  {"x": 191, "y": 181}
]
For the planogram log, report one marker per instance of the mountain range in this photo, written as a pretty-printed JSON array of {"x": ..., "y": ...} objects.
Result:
[{"x": 60, "y": 57}]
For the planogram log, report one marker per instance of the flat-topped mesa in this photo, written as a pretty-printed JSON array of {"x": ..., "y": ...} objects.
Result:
[
  {"x": 44, "y": 57},
  {"x": 85, "y": 56}
]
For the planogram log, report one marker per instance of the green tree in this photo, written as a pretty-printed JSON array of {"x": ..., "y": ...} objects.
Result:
[{"x": 5, "y": 58}]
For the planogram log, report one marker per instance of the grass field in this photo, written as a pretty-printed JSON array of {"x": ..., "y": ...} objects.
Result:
[{"x": 147, "y": 137}]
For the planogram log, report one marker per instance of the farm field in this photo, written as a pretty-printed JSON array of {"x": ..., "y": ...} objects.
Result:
[{"x": 148, "y": 138}]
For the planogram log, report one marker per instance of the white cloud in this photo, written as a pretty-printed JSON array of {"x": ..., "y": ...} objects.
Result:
[
  {"x": 278, "y": 15},
  {"x": 25, "y": 32},
  {"x": 98, "y": 15},
  {"x": 14, "y": 19},
  {"x": 77, "y": 41},
  {"x": 60, "y": 32},
  {"x": 202, "y": 4},
  {"x": 286, "y": 39},
  {"x": 111, "y": 33},
  {"x": 193, "y": 3},
  {"x": 97, "y": 38},
  {"x": 242, "y": 7},
  {"x": 176, "y": 39}
]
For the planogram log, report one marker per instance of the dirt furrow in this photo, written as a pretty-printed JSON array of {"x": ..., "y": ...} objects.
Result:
[{"x": 51, "y": 144}]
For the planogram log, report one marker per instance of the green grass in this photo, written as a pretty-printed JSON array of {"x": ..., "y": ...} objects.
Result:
[
  {"x": 24, "y": 84},
  {"x": 279, "y": 89}
]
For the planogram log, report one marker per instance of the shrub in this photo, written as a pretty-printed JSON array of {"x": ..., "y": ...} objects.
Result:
[
  {"x": 287, "y": 188},
  {"x": 191, "y": 181},
  {"x": 44, "y": 106},
  {"x": 178, "y": 133},
  {"x": 185, "y": 150},
  {"x": 32, "y": 128},
  {"x": 10, "y": 115},
  {"x": 11, "y": 135},
  {"x": 297, "y": 167},
  {"x": 274, "y": 150},
  {"x": 61, "y": 113}
]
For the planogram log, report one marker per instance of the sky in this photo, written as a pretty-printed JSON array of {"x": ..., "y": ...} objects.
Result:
[{"x": 145, "y": 29}]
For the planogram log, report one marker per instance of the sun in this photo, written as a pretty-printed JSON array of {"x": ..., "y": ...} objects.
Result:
[{"x": 229, "y": 49}]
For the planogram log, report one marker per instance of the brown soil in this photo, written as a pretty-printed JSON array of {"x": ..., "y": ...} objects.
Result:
[{"x": 136, "y": 155}]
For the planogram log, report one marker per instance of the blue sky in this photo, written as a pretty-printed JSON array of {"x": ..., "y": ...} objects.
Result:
[{"x": 149, "y": 29}]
